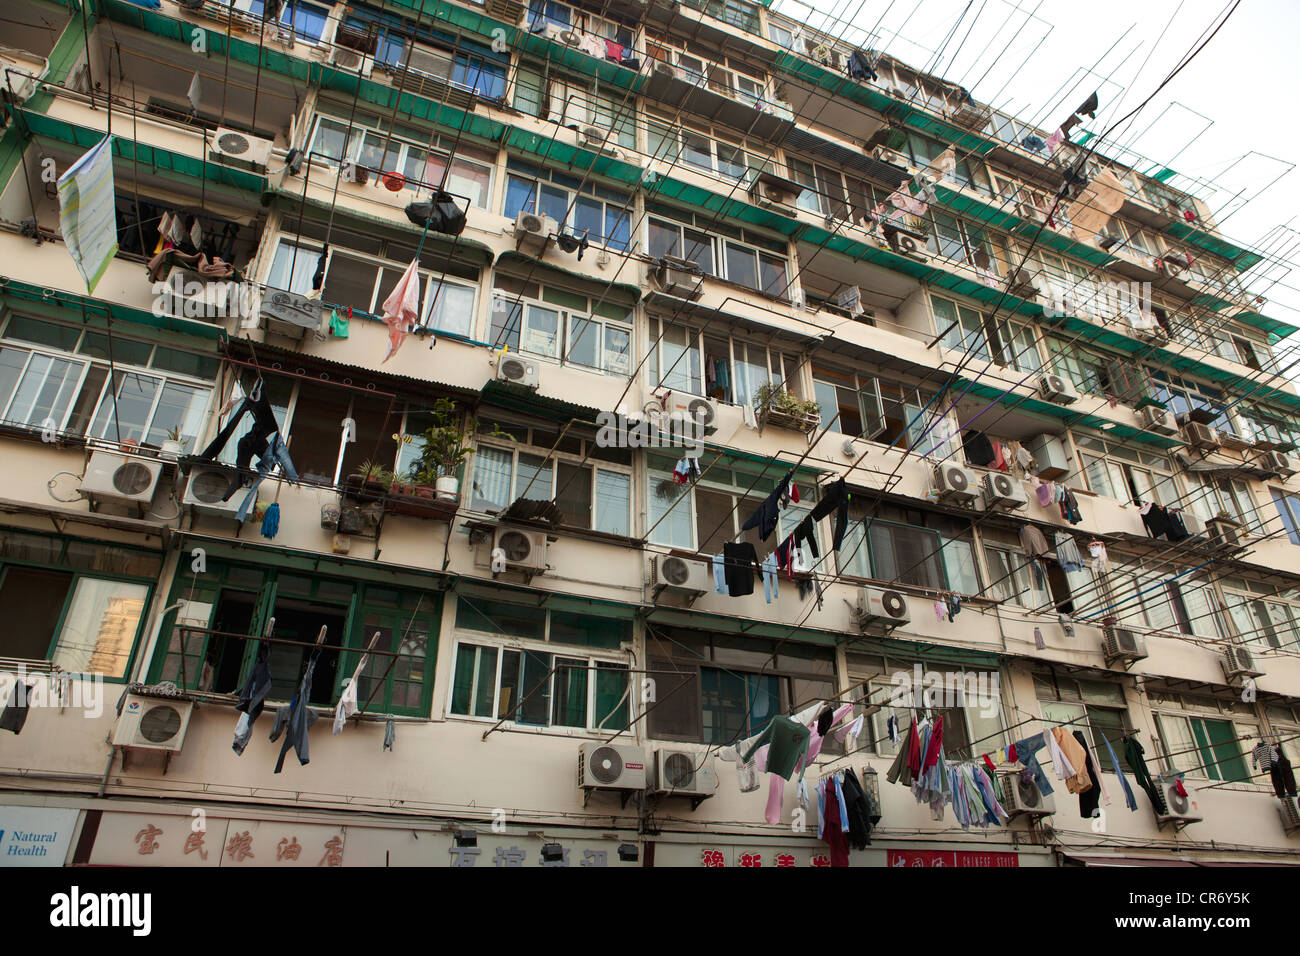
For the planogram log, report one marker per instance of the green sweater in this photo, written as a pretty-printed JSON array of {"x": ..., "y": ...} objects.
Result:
[{"x": 788, "y": 740}]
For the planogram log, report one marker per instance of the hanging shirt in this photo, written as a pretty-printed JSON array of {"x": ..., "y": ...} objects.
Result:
[
  {"x": 1067, "y": 553},
  {"x": 788, "y": 742},
  {"x": 1033, "y": 542},
  {"x": 742, "y": 563},
  {"x": 1129, "y": 800}
]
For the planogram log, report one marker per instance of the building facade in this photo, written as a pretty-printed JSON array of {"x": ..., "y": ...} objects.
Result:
[{"x": 845, "y": 267}]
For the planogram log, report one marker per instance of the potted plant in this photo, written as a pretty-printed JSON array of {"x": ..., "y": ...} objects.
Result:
[
  {"x": 172, "y": 445},
  {"x": 369, "y": 482},
  {"x": 445, "y": 450},
  {"x": 775, "y": 406}
]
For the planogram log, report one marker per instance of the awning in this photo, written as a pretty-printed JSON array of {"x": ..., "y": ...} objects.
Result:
[
  {"x": 620, "y": 293},
  {"x": 16, "y": 291},
  {"x": 1083, "y": 860},
  {"x": 725, "y": 318}
]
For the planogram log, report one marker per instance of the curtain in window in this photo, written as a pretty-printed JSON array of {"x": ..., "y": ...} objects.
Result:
[{"x": 492, "y": 473}]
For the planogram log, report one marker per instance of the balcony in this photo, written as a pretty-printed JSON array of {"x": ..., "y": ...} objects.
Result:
[{"x": 678, "y": 80}]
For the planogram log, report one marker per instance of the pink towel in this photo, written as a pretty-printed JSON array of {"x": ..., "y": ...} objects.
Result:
[
  {"x": 775, "y": 799},
  {"x": 1045, "y": 493},
  {"x": 1054, "y": 141},
  {"x": 402, "y": 308}
]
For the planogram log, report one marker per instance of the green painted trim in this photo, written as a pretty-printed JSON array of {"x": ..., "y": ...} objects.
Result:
[{"x": 28, "y": 295}]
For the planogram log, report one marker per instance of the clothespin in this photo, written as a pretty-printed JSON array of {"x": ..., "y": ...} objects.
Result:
[{"x": 320, "y": 638}]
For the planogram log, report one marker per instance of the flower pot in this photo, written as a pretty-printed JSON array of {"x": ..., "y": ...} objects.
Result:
[
  {"x": 171, "y": 450},
  {"x": 447, "y": 488}
]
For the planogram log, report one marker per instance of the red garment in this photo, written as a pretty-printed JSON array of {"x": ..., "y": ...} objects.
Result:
[
  {"x": 989, "y": 763},
  {"x": 1011, "y": 754},
  {"x": 794, "y": 493},
  {"x": 913, "y": 750},
  {"x": 835, "y": 837},
  {"x": 1178, "y": 785},
  {"x": 613, "y": 51},
  {"x": 936, "y": 741},
  {"x": 999, "y": 457}
]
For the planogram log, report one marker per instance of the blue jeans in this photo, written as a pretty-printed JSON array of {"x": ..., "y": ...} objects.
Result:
[
  {"x": 276, "y": 453},
  {"x": 1025, "y": 753}
]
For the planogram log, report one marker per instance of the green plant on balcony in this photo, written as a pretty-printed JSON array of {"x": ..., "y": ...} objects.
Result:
[
  {"x": 774, "y": 405},
  {"x": 446, "y": 446}
]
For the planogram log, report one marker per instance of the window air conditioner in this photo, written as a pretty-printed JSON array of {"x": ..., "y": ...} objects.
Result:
[
  {"x": 955, "y": 483},
  {"x": 678, "y": 277},
  {"x": 1058, "y": 388},
  {"x": 681, "y": 574},
  {"x": 684, "y": 773},
  {"x": 664, "y": 68},
  {"x": 1290, "y": 814},
  {"x": 290, "y": 314},
  {"x": 1122, "y": 644},
  {"x": 120, "y": 478},
  {"x": 1239, "y": 663},
  {"x": 1196, "y": 530},
  {"x": 1023, "y": 798},
  {"x": 610, "y": 767},
  {"x": 1200, "y": 435},
  {"x": 1003, "y": 492},
  {"x": 1277, "y": 462},
  {"x": 516, "y": 370},
  {"x": 534, "y": 234},
  {"x": 152, "y": 723},
  {"x": 1157, "y": 419},
  {"x": 524, "y": 550},
  {"x": 1179, "y": 810},
  {"x": 877, "y": 606},
  {"x": 352, "y": 60},
  {"x": 207, "y": 485},
  {"x": 234, "y": 148},
  {"x": 886, "y": 155},
  {"x": 691, "y": 408}
]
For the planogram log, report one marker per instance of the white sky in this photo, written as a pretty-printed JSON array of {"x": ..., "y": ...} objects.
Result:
[{"x": 1228, "y": 118}]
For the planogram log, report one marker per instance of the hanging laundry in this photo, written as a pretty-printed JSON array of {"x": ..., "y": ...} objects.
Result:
[
  {"x": 860, "y": 66},
  {"x": 741, "y": 565},
  {"x": 15, "y": 713},
  {"x": 1035, "y": 144},
  {"x": 295, "y": 719},
  {"x": 853, "y": 729},
  {"x": 1134, "y": 756},
  {"x": 1039, "y": 643},
  {"x": 402, "y": 308},
  {"x": 999, "y": 457},
  {"x": 1089, "y": 795},
  {"x": 252, "y": 697},
  {"x": 1177, "y": 530},
  {"x": 318, "y": 277},
  {"x": 1098, "y": 203},
  {"x": 1100, "y": 559},
  {"x": 613, "y": 51},
  {"x": 1067, "y": 553},
  {"x": 1046, "y": 493},
  {"x": 833, "y": 820},
  {"x": 764, "y": 519},
  {"x": 1129, "y": 800},
  {"x": 978, "y": 448},
  {"x": 340, "y": 326},
  {"x": 771, "y": 589},
  {"x": 1025, "y": 752},
  {"x": 1156, "y": 520},
  {"x": 347, "y": 705},
  {"x": 1088, "y": 107},
  {"x": 1073, "y": 752},
  {"x": 1054, "y": 142},
  {"x": 719, "y": 574},
  {"x": 390, "y": 734},
  {"x": 1070, "y": 507},
  {"x": 788, "y": 742},
  {"x": 835, "y": 498},
  {"x": 1032, "y": 542},
  {"x": 1282, "y": 776},
  {"x": 891, "y": 727},
  {"x": 570, "y": 243}
]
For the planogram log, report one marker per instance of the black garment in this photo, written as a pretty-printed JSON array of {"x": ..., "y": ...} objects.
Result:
[
  {"x": 979, "y": 450},
  {"x": 250, "y": 444},
  {"x": 824, "y": 718},
  {"x": 1089, "y": 799},
  {"x": 1157, "y": 521},
  {"x": 441, "y": 215},
  {"x": 860, "y": 66},
  {"x": 765, "y": 517},
  {"x": 252, "y": 696},
  {"x": 15, "y": 712},
  {"x": 835, "y": 498},
  {"x": 858, "y": 809},
  {"x": 806, "y": 532},
  {"x": 318, "y": 278},
  {"x": 1283, "y": 776},
  {"x": 1133, "y": 756},
  {"x": 1177, "y": 530},
  {"x": 295, "y": 720},
  {"x": 570, "y": 243},
  {"x": 1089, "y": 107},
  {"x": 1070, "y": 507},
  {"x": 740, "y": 563}
]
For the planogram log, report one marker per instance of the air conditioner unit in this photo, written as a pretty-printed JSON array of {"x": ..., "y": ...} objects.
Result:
[
  {"x": 570, "y": 37},
  {"x": 684, "y": 773},
  {"x": 152, "y": 723},
  {"x": 691, "y": 408},
  {"x": 886, "y": 155},
  {"x": 20, "y": 72},
  {"x": 1200, "y": 435},
  {"x": 664, "y": 68},
  {"x": 1024, "y": 284},
  {"x": 1058, "y": 388},
  {"x": 678, "y": 277},
  {"x": 290, "y": 314},
  {"x": 234, "y": 148},
  {"x": 1290, "y": 814},
  {"x": 525, "y": 550},
  {"x": 610, "y": 767},
  {"x": 1196, "y": 530},
  {"x": 1157, "y": 419},
  {"x": 1003, "y": 492},
  {"x": 1122, "y": 644},
  {"x": 1179, "y": 810},
  {"x": 120, "y": 478},
  {"x": 955, "y": 483},
  {"x": 517, "y": 370},
  {"x": 207, "y": 485},
  {"x": 534, "y": 234},
  {"x": 1022, "y": 797},
  {"x": 593, "y": 136},
  {"x": 681, "y": 574},
  {"x": 352, "y": 60},
  {"x": 1238, "y": 663},
  {"x": 1278, "y": 462},
  {"x": 877, "y": 606}
]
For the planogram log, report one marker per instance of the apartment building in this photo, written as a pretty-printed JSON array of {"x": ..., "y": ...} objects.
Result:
[{"x": 665, "y": 207}]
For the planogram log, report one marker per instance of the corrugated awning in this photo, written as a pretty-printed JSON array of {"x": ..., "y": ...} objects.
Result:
[
  {"x": 14, "y": 290},
  {"x": 1163, "y": 861}
]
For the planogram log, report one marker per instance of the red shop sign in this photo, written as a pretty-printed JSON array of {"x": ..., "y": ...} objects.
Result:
[{"x": 950, "y": 858}]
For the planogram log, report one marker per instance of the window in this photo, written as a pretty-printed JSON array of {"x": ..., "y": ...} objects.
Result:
[
  {"x": 1201, "y": 746},
  {"x": 728, "y": 369},
  {"x": 1013, "y": 578},
  {"x": 905, "y": 546},
  {"x": 849, "y": 404},
  {"x": 1095, "y": 708},
  {"x": 604, "y": 215},
  {"x": 70, "y": 392},
  {"x": 76, "y": 604},
  {"x": 704, "y": 517},
  {"x": 1005, "y": 341},
  {"x": 468, "y": 178},
  {"x": 736, "y": 255},
  {"x": 1288, "y": 509},
  {"x": 536, "y": 667},
  {"x": 721, "y": 689},
  {"x": 242, "y": 599},
  {"x": 308, "y": 19},
  {"x": 591, "y": 495},
  {"x": 823, "y": 191},
  {"x": 1125, "y": 473},
  {"x": 1258, "y": 621},
  {"x": 561, "y": 325}
]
